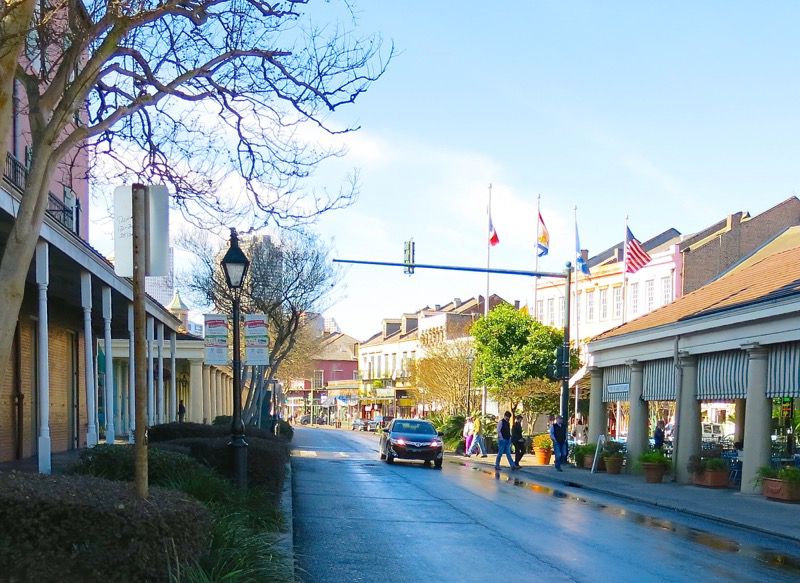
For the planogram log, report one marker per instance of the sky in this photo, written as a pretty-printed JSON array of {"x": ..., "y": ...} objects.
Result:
[{"x": 674, "y": 115}]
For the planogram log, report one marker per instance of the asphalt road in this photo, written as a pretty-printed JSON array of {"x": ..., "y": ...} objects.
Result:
[{"x": 358, "y": 519}]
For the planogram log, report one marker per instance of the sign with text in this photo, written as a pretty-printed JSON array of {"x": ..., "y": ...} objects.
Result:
[
  {"x": 256, "y": 340},
  {"x": 618, "y": 388},
  {"x": 156, "y": 227},
  {"x": 216, "y": 339}
]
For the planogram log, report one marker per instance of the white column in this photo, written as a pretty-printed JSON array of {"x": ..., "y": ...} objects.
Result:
[
  {"x": 173, "y": 387},
  {"x": 131, "y": 380},
  {"x": 43, "y": 368},
  {"x": 119, "y": 396},
  {"x": 689, "y": 436},
  {"x": 195, "y": 405},
  {"x": 206, "y": 394},
  {"x": 637, "y": 426},
  {"x": 220, "y": 393},
  {"x": 161, "y": 394},
  {"x": 598, "y": 419},
  {"x": 109, "y": 384},
  {"x": 91, "y": 403},
  {"x": 758, "y": 419},
  {"x": 229, "y": 397},
  {"x": 151, "y": 394},
  {"x": 213, "y": 395}
]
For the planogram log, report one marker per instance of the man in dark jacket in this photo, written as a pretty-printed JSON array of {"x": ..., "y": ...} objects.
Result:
[
  {"x": 558, "y": 434},
  {"x": 504, "y": 440}
]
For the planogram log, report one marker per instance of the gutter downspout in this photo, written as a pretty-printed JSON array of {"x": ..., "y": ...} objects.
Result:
[{"x": 19, "y": 396}]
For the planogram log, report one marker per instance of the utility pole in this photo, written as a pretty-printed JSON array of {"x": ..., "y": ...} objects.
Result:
[{"x": 565, "y": 348}]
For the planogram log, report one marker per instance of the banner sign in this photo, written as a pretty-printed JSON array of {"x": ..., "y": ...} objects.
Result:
[
  {"x": 256, "y": 340},
  {"x": 216, "y": 339},
  {"x": 618, "y": 388}
]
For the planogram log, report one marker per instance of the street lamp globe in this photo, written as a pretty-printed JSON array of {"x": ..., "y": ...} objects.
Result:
[{"x": 235, "y": 263}]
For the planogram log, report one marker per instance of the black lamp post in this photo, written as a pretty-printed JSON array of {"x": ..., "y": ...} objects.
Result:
[{"x": 235, "y": 265}]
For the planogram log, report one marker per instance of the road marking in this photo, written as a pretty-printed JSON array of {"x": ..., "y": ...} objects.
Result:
[{"x": 306, "y": 453}]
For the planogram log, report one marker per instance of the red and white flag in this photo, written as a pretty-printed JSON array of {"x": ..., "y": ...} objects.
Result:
[
  {"x": 493, "y": 238},
  {"x": 635, "y": 255}
]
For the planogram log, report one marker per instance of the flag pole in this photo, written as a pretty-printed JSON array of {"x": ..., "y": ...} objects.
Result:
[
  {"x": 488, "y": 252},
  {"x": 625, "y": 272},
  {"x": 577, "y": 312},
  {"x": 536, "y": 251}
]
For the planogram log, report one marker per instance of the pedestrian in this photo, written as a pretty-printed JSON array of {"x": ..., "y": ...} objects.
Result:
[
  {"x": 478, "y": 442},
  {"x": 517, "y": 440},
  {"x": 558, "y": 435},
  {"x": 467, "y": 435},
  {"x": 658, "y": 435},
  {"x": 504, "y": 441},
  {"x": 181, "y": 411}
]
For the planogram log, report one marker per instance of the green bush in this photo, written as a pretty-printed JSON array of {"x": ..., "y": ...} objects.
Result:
[
  {"x": 581, "y": 451},
  {"x": 452, "y": 426},
  {"x": 170, "y": 431},
  {"x": 613, "y": 449},
  {"x": 116, "y": 462},
  {"x": 222, "y": 420},
  {"x": 82, "y": 528},
  {"x": 789, "y": 473},
  {"x": 655, "y": 456}
]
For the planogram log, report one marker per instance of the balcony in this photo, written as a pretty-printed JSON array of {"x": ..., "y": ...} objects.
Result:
[{"x": 16, "y": 174}]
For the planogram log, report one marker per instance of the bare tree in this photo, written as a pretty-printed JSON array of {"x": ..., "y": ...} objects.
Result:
[
  {"x": 444, "y": 375},
  {"x": 286, "y": 282},
  {"x": 205, "y": 96}
]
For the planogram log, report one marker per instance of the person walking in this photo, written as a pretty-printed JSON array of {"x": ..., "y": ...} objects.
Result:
[
  {"x": 478, "y": 442},
  {"x": 181, "y": 411},
  {"x": 658, "y": 435},
  {"x": 467, "y": 435},
  {"x": 558, "y": 435},
  {"x": 504, "y": 441},
  {"x": 518, "y": 440}
]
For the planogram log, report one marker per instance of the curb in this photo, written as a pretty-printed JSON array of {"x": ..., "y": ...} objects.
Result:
[{"x": 285, "y": 541}]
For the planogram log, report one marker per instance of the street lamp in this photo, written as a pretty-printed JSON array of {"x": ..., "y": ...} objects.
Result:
[{"x": 235, "y": 265}]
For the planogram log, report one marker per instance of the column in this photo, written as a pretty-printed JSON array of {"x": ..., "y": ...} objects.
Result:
[
  {"x": 88, "y": 348},
  {"x": 740, "y": 412},
  {"x": 151, "y": 396},
  {"x": 42, "y": 365},
  {"x": 220, "y": 392},
  {"x": 758, "y": 419},
  {"x": 212, "y": 395},
  {"x": 637, "y": 427},
  {"x": 228, "y": 395},
  {"x": 195, "y": 405},
  {"x": 598, "y": 416},
  {"x": 206, "y": 394},
  {"x": 161, "y": 394},
  {"x": 119, "y": 396},
  {"x": 173, "y": 387},
  {"x": 109, "y": 372},
  {"x": 687, "y": 419},
  {"x": 131, "y": 380}
]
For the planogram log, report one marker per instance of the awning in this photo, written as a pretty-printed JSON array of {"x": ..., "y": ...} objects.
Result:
[
  {"x": 616, "y": 383},
  {"x": 722, "y": 376},
  {"x": 658, "y": 382},
  {"x": 783, "y": 370},
  {"x": 577, "y": 376}
]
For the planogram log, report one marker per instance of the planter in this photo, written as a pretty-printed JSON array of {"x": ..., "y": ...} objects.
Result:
[
  {"x": 613, "y": 464},
  {"x": 711, "y": 478},
  {"x": 588, "y": 460},
  {"x": 543, "y": 455},
  {"x": 653, "y": 473},
  {"x": 776, "y": 489}
]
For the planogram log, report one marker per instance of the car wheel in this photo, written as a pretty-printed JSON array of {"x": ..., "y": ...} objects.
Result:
[
  {"x": 389, "y": 457},
  {"x": 383, "y": 455},
  {"x": 437, "y": 464}
]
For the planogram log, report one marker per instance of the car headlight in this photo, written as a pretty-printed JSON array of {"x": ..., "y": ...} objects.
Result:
[
  {"x": 398, "y": 441},
  {"x": 437, "y": 442}
]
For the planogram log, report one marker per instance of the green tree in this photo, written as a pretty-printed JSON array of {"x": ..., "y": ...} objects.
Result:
[{"x": 512, "y": 350}]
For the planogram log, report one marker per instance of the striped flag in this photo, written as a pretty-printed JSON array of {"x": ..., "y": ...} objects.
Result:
[
  {"x": 543, "y": 242},
  {"x": 635, "y": 255},
  {"x": 493, "y": 238},
  {"x": 580, "y": 263}
]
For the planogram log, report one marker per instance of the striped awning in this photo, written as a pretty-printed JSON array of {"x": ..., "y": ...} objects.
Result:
[
  {"x": 658, "y": 383},
  {"x": 616, "y": 383},
  {"x": 783, "y": 370},
  {"x": 722, "y": 375}
]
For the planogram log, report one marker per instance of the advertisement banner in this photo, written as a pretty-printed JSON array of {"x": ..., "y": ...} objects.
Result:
[
  {"x": 256, "y": 340},
  {"x": 216, "y": 339}
]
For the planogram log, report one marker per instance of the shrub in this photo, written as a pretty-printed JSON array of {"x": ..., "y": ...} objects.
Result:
[
  {"x": 655, "y": 456},
  {"x": 116, "y": 462},
  {"x": 789, "y": 473},
  {"x": 452, "y": 426},
  {"x": 581, "y": 451},
  {"x": 170, "y": 431},
  {"x": 613, "y": 449},
  {"x": 222, "y": 420},
  {"x": 82, "y": 528},
  {"x": 542, "y": 441}
]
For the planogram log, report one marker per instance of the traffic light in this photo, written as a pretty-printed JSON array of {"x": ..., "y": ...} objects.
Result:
[
  {"x": 408, "y": 256},
  {"x": 560, "y": 367}
]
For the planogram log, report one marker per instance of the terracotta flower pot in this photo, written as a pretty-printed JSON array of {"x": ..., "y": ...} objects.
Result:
[
  {"x": 588, "y": 460},
  {"x": 784, "y": 490},
  {"x": 711, "y": 478},
  {"x": 653, "y": 473},
  {"x": 543, "y": 455},
  {"x": 613, "y": 464}
]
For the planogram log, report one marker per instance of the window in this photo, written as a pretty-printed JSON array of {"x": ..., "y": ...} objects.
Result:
[
  {"x": 590, "y": 306},
  {"x": 578, "y": 306},
  {"x": 666, "y": 290},
  {"x": 649, "y": 294},
  {"x": 560, "y": 311},
  {"x": 633, "y": 291},
  {"x": 551, "y": 312},
  {"x": 540, "y": 310},
  {"x": 604, "y": 304},
  {"x": 316, "y": 382},
  {"x": 618, "y": 302}
]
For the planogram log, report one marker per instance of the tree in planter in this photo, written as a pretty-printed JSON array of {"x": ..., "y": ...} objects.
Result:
[{"x": 512, "y": 350}]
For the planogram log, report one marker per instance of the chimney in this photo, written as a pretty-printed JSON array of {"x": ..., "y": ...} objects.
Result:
[
  {"x": 516, "y": 304},
  {"x": 456, "y": 302},
  {"x": 438, "y": 307}
]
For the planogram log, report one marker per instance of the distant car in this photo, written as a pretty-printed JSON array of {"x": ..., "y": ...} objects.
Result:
[
  {"x": 305, "y": 419},
  {"x": 412, "y": 439},
  {"x": 359, "y": 425}
]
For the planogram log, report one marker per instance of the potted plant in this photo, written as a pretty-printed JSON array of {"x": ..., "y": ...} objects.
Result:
[
  {"x": 654, "y": 465},
  {"x": 780, "y": 484},
  {"x": 613, "y": 456},
  {"x": 584, "y": 457},
  {"x": 711, "y": 472},
  {"x": 543, "y": 448}
]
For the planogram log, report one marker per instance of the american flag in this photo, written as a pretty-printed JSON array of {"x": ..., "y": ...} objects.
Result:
[{"x": 635, "y": 255}]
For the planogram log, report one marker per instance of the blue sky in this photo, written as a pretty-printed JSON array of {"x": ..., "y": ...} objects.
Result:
[{"x": 673, "y": 114}]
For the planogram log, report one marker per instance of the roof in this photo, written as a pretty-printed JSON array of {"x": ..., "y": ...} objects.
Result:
[
  {"x": 177, "y": 305},
  {"x": 772, "y": 272},
  {"x": 657, "y": 243},
  {"x": 337, "y": 346}
]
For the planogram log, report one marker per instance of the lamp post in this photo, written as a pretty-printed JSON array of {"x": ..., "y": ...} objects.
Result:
[{"x": 235, "y": 265}]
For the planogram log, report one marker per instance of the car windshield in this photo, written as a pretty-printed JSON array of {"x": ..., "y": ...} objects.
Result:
[{"x": 422, "y": 427}]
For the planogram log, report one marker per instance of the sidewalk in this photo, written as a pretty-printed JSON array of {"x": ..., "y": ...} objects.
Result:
[{"x": 728, "y": 506}]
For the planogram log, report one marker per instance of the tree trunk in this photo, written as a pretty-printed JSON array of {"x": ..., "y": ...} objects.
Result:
[{"x": 13, "y": 28}]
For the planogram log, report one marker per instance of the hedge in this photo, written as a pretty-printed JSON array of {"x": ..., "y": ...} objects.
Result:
[
  {"x": 82, "y": 528},
  {"x": 116, "y": 462},
  {"x": 170, "y": 431}
]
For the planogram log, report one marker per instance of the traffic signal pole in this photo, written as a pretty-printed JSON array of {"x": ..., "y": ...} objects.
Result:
[{"x": 565, "y": 351}]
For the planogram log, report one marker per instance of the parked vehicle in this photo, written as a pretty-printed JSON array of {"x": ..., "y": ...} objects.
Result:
[
  {"x": 305, "y": 419},
  {"x": 412, "y": 439},
  {"x": 359, "y": 425}
]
